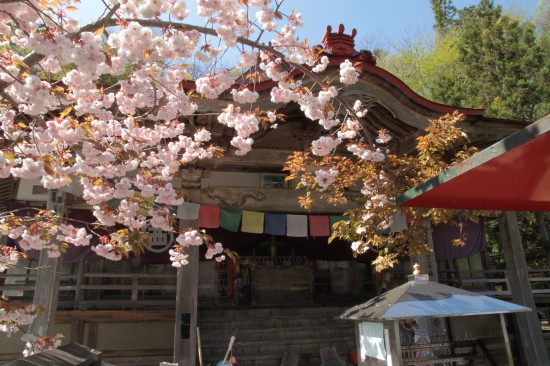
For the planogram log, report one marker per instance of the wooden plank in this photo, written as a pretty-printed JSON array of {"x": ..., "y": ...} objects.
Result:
[
  {"x": 127, "y": 287},
  {"x": 77, "y": 331},
  {"x": 92, "y": 334},
  {"x": 129, "y": 275},
  {"x": 79, "y": 281}
]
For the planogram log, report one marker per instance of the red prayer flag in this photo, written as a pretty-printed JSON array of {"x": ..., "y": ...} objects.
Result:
[
  {"x": 209, "y": 217},
  {"x": 319, "y": 225}
]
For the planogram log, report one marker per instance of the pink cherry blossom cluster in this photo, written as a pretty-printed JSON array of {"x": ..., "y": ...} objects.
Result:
[
  {"x": 348, "y": 73},
  {"x": 247, "y": 59},
  {"x": 178, "y": 257},
  {"x": 35, "y": 344},
  {"x": 74, "y": 236},
  {"x": 228, "y": 19},
  {"x": 367, "y": 153},
  {"x": 15, "y": 314},
  {"x": 8, "y": 257},
  {"x": 212, "y": 85},
  {"x": 349, "y": 130},
  {"x": 153, "y": 8},
  {"x": 107, "y": 251},
  {"x": 324, "y": 145},
  {"x": 360, "y": 111},
  {"x": 244, "y": 96},
  {"x": 244, "y": 124},
  {"x": 213, "y": 250},
  {"x": 383, "y": 137},
  {"x": 188, "y": 238},
  {"x": 325, "y": 177},
  {"x": 191, "y": 237},
  {"x": 322, "y": 65}
]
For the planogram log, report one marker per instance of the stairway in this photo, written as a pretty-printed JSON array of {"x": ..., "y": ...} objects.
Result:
[{"x": 265, "y": 334}]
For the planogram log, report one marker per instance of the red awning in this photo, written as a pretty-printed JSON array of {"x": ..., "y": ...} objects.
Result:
[{"x": 511, "y": 175}]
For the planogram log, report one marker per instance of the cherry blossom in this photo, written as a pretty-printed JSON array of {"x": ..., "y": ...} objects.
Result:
[
  {"x": 348, "y": 74},
  {"x": 178, "y": 258},
  {"x": 8, "y": 257},
  {"x": 110, "y": 107},
  {"x": 324, "y": 145},
  {"x": 324, "y": 178},
  {"x": 14, "y": 315}
]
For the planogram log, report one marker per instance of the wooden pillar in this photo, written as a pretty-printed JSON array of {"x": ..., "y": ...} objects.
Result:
[
  {"x": 393, "y": 343},
  {"x": 528, "y": 324},
  {"x": 185, "y": 324},
  {"x": 185, "y": 337},
  {"x": 46, "y": 289}
]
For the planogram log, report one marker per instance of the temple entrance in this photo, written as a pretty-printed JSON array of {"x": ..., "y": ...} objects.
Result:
[{"x": 275, "y": 271}]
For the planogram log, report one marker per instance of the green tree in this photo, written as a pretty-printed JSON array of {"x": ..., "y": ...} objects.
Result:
[
  {"x": 444, "y": 13},
  {"x": 503, "y": 68},
  {"x": 482, "y": 59},
  {"x": 423, "y": 64}
]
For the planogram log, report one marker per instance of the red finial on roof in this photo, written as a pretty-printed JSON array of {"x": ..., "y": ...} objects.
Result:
[{"x": 343, "y": 45}]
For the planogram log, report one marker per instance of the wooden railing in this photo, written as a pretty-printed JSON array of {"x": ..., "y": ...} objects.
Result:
[
  {"x": 100, "y": 290},
  {"x": 138, "y": 290},
  {"x": 495, "y": 282}
]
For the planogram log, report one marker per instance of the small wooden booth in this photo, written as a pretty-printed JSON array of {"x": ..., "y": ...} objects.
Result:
[{"x": 426, "y": 323}]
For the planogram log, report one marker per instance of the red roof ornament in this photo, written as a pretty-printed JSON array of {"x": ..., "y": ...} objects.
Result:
[{"x": 343, "y": 45}]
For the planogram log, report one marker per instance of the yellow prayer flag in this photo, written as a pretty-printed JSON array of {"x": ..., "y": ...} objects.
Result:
[{"x": 253, "y": 222}]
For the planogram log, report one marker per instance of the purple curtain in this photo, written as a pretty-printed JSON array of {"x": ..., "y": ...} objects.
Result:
[{"x": 444, "y": 234}]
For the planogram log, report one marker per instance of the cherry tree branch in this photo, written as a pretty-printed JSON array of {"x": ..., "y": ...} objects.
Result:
[
  {"x": 33, "y": 58},
  {"x": 204, "y": 30}
]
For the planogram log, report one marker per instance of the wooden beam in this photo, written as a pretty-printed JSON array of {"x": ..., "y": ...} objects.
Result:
[
  {"x": 527, "y": 324},
  {"x": 256, "y": 158},
  {"x": 268, "y": 199},
  {"x": 114, "y": 316}
]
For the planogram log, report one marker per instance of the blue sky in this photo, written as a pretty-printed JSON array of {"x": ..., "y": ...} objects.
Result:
[{"x": 384, "y": 20}]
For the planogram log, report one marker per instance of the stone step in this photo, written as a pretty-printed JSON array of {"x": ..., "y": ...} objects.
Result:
[
  {"x": 305, "y": 359},
  {"x": 265, "y": 334},
  {"x": 259, "y": 323},
  {"x": 270, "y": 360},
  {"x": 279, "y": 333},
  {"x": 255, "y": 312},
  {"x": 342, "y": 344}
]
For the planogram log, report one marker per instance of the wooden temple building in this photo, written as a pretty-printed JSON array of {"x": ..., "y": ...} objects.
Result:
[{"x": 283, "y": 295}]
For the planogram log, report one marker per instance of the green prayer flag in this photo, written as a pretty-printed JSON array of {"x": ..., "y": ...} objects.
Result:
[{"x": 230, "y": 219}]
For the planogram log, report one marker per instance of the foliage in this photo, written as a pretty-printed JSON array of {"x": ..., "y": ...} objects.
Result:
[
  {"x": 484, "y": 59},
  {"x": 369, "y": 225},
  {"x": 535, "y": 253},
  {"x": 500, "y": 57},
  {"x": 444, "y": 13}
]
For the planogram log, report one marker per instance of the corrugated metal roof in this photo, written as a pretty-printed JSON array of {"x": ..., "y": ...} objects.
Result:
[{"x": 421, "y": 298}]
